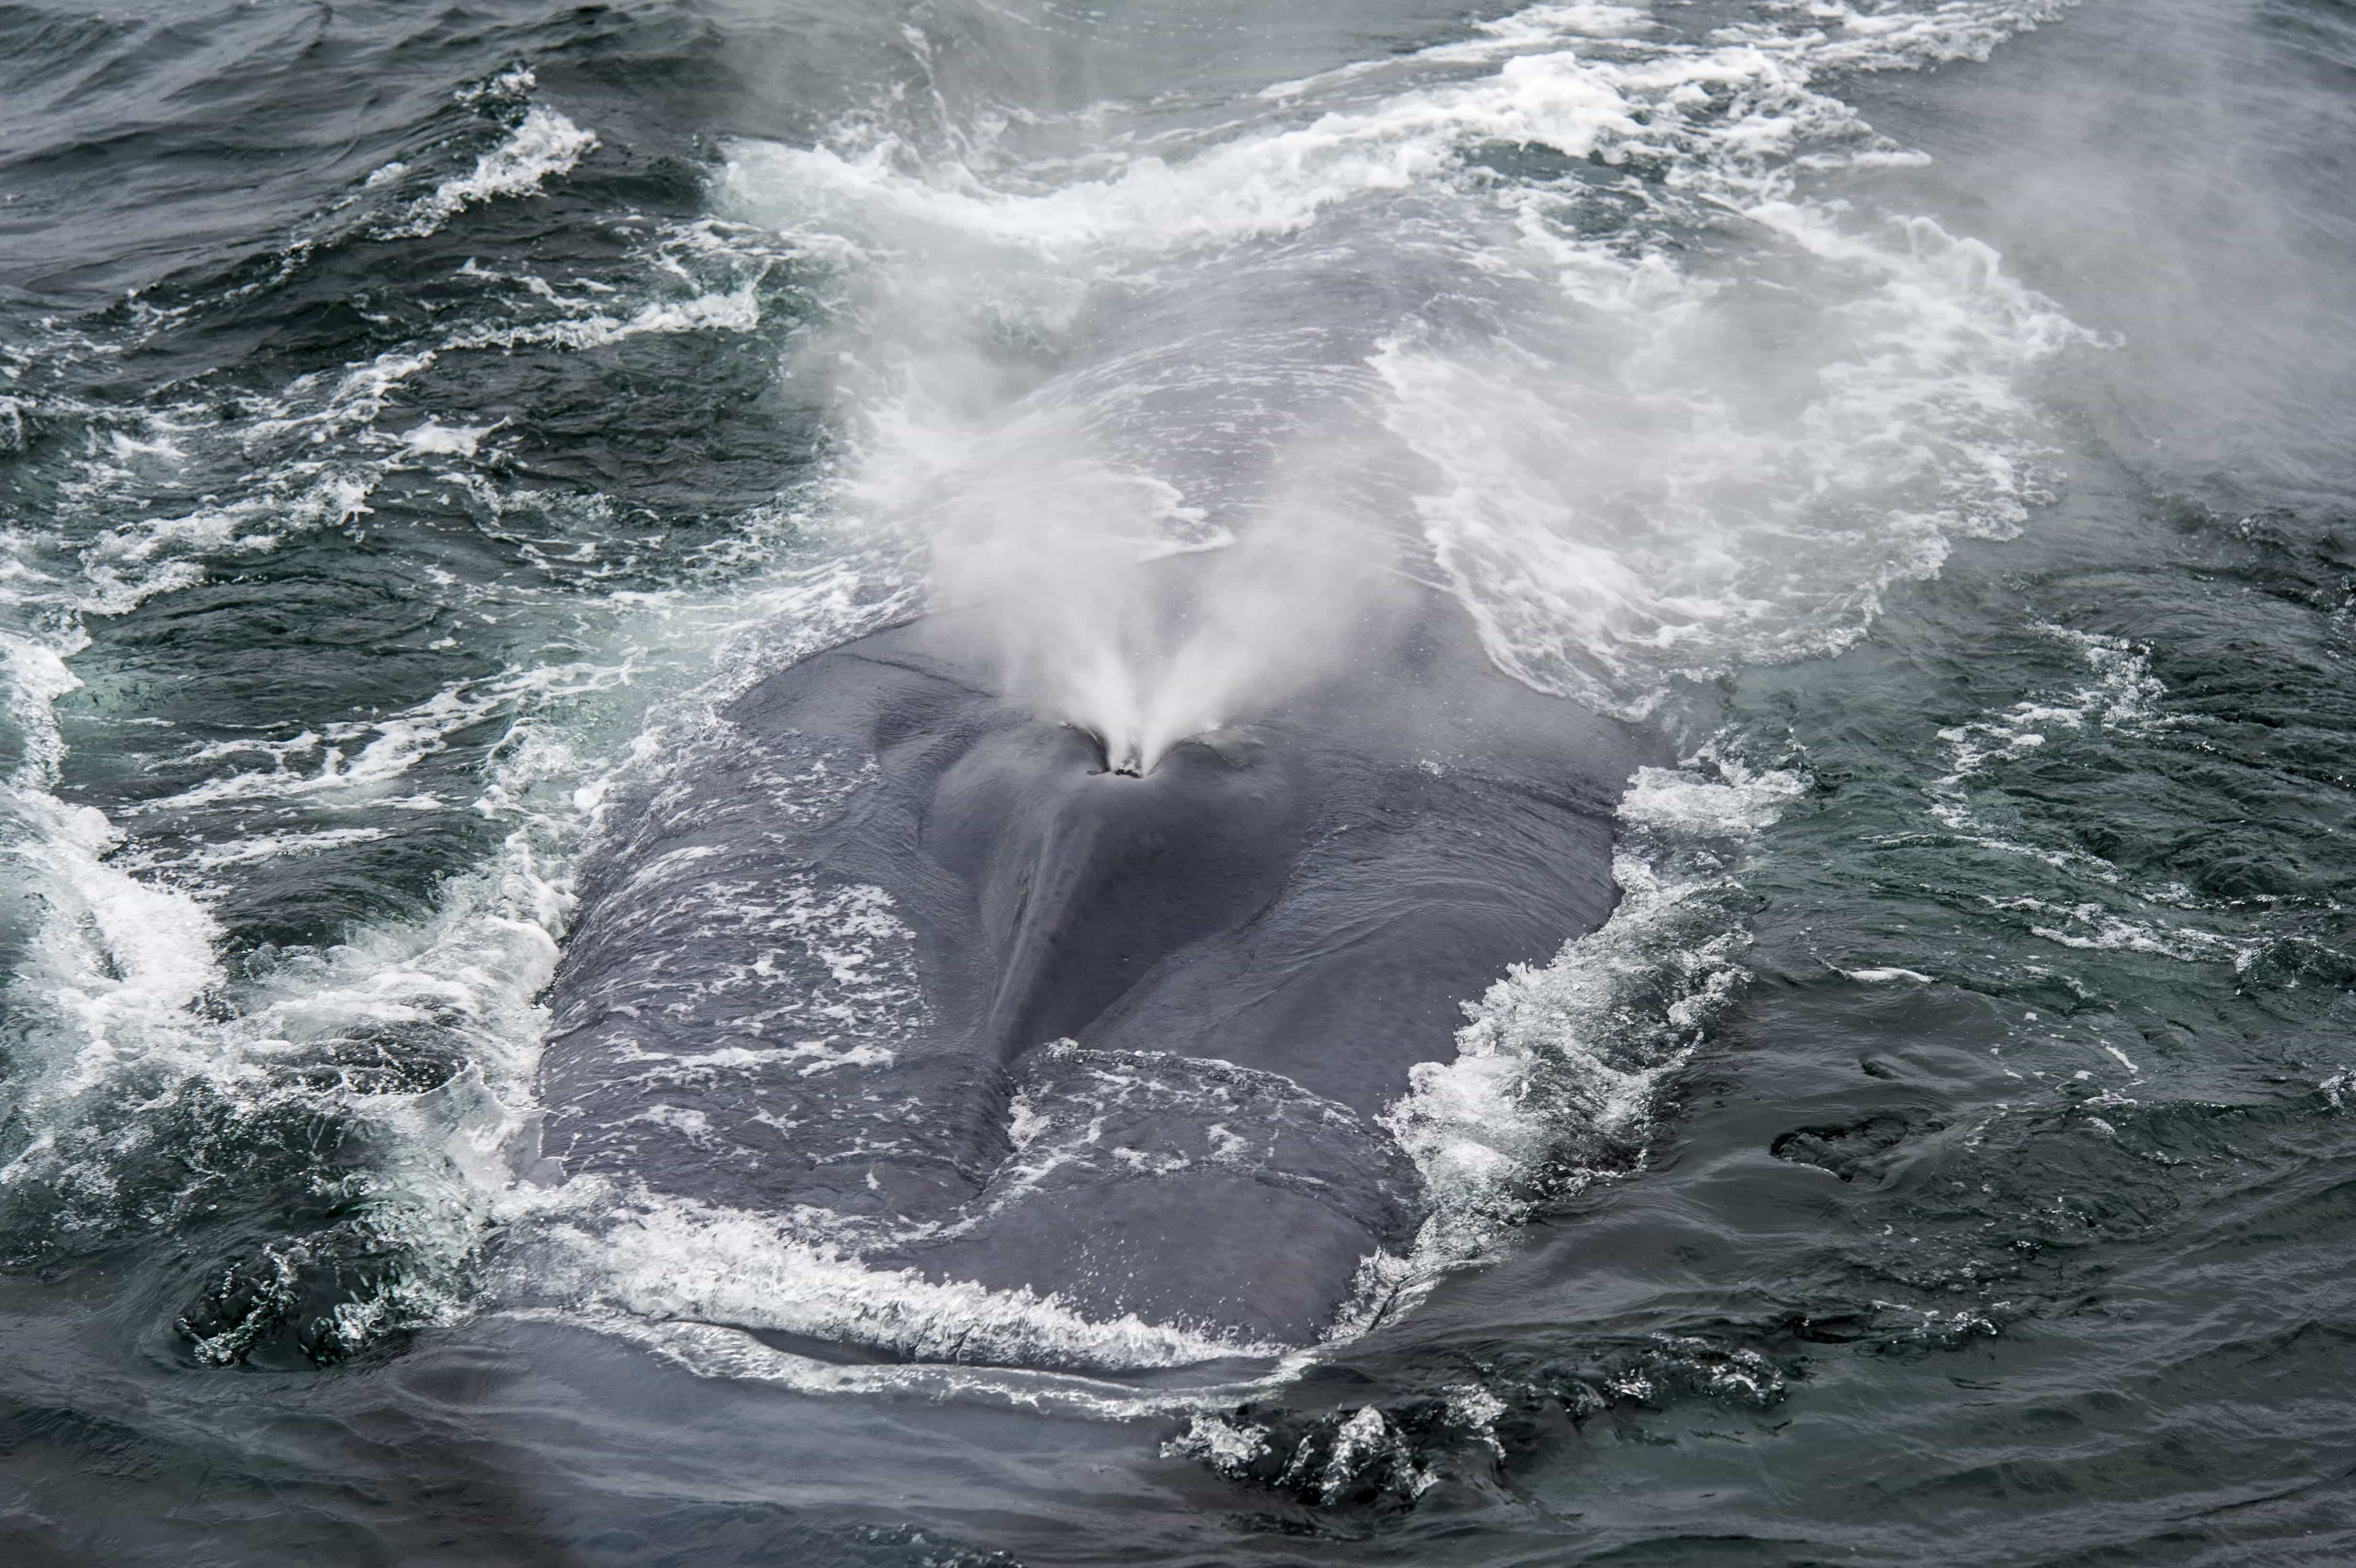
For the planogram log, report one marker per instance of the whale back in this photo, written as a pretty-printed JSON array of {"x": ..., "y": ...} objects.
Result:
[{"x": 895, "y": 950}]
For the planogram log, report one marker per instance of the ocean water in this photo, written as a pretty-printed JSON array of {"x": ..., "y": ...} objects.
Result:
[{"x": 1933, "y": 418}]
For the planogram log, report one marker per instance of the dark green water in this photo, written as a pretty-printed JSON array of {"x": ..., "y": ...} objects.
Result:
[{"x": 413, "y": 422}]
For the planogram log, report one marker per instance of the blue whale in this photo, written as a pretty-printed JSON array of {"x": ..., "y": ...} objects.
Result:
[{"x": 902, "y": 958}]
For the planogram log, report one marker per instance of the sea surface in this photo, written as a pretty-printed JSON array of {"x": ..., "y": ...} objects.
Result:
[{"x": 1937, "y": 418}]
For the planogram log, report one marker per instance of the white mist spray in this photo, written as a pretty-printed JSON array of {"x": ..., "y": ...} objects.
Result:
[{"x": 1052, "y": 556}]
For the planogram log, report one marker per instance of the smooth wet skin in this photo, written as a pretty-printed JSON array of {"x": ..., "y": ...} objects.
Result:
[
  {"x": 1155, "y": 1018},
  {"x": 1089, "y": 877}
]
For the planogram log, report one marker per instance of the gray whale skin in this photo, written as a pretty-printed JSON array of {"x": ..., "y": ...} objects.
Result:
[{"x": 1123, "y": 1040}]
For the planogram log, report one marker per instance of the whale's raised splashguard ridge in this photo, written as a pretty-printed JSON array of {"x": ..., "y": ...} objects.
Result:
[{"x": 1120, "y": 1040}]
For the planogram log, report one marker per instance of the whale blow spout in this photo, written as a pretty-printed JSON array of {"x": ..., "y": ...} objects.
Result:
[
  {"x": 1014, "y": 1008},
  {"x": 1125, "y": 763}
]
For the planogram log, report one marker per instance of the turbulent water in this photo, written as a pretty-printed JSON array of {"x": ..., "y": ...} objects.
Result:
[{"x": 1937, "y": 419}]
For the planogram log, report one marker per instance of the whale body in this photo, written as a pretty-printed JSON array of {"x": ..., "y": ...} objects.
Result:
[{"x": 904, "y": 958}]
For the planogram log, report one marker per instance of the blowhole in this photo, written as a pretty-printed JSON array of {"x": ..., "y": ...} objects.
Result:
[
  {"x": 1132, "y": 764},
  {"x": 1125, "y": 767}
]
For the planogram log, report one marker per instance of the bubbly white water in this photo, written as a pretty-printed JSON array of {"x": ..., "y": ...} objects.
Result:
[
  {"x": 1644, "y": 462},
  {"x": 542, "y": 145},
  {"x": 1571, "y": 1056}
]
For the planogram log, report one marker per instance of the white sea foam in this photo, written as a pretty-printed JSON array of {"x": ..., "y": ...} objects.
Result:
[
  {"x": 445, "y": 439},
  {"x": 672, "y": 1259},
  {"x": 708, "y": 277},
  {"x": 1559, "y": 1073},
  {"x": 2091, "y": 926},
  {"x": 739, "y": 310},
  {"x": 543, "y": 144},
  {"x": 2124, "y": 698},
  {"x": 362, "y": 760},
  {"x": 2097, "y": 907},
  {"x": 720, "y": 1351},
  {"x": 1842, "y": 33},
  {"x": 119, "y": 962},
  {"x": 248, "y": 848}
]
